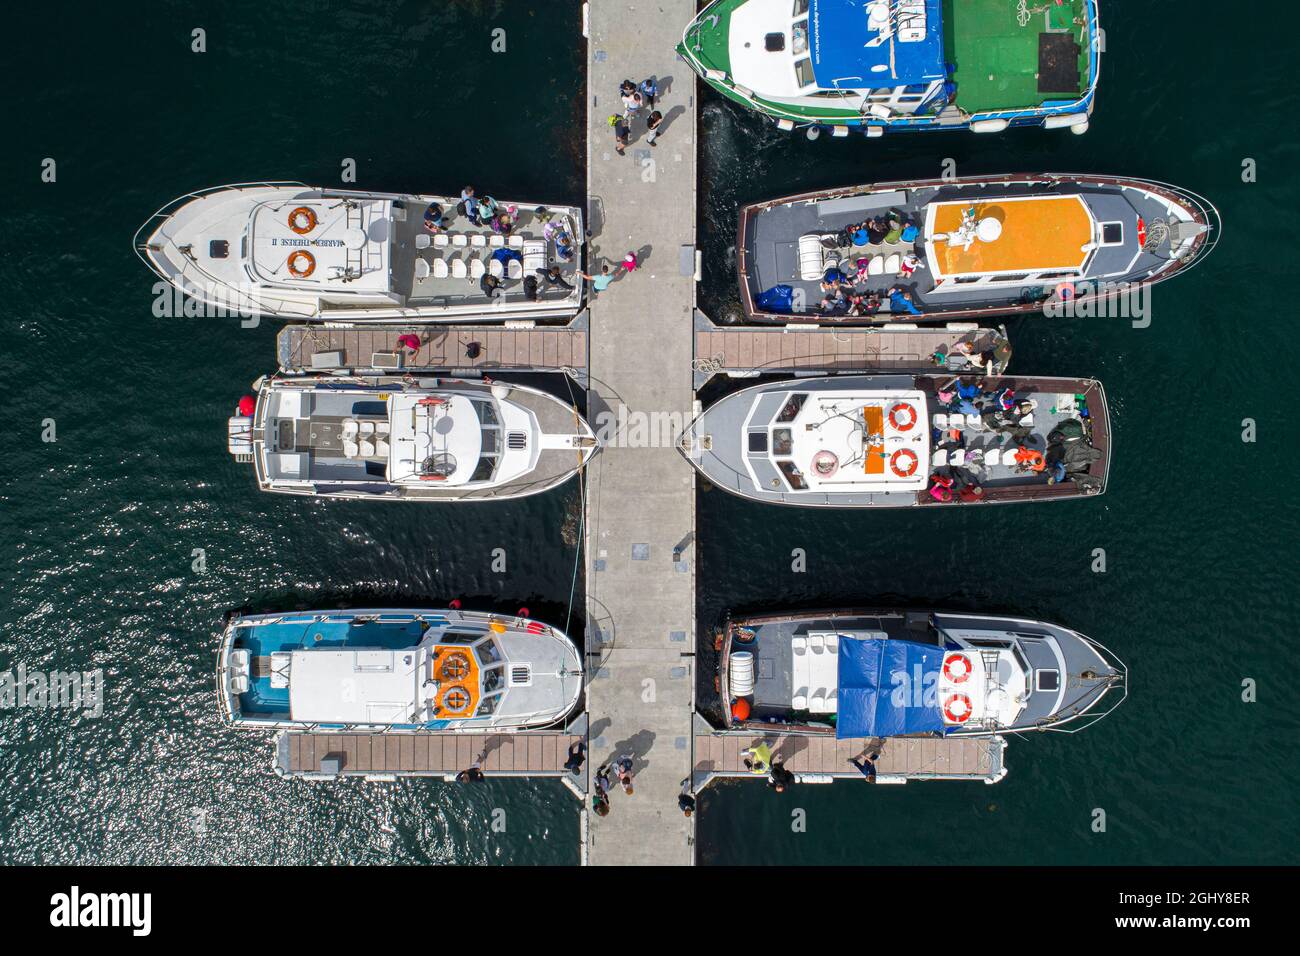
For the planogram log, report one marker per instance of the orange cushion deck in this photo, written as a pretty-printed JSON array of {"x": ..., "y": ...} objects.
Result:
[{"x": 1036, "y": 234}]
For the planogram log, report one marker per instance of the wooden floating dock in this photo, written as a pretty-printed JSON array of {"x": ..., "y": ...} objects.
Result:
[
  {"x": 755, "y": 350},
  {"x": 901, "y": 759},
  {"x": 526, "y": 754},
  {"x": 303, "y": 349}
]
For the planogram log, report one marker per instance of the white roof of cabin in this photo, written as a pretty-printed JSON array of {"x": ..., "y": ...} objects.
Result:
[
  {"x": 335, "y": 244},
  {"x": 355, "y": 686}
]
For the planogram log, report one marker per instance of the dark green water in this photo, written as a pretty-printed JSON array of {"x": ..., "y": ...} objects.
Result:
[{"x": 99, "y": 527}]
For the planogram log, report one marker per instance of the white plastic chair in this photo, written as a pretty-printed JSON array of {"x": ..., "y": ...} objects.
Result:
[
  {"x": 876, "y": 266},
  {"x": 440, "y": 270},
  {"x": 497, "y": 242},
  {"x": 441, "y": 241},
  {"x": 366, "y": 448},
  {"x": 478, "y": 241},
  {"x": 940, "y": 457},
  {"x": 349, "y": 449},
  {"x": 367, "y": 428},
  {"x": 421, "y": 270},
  {"x": 350, "y": 428},
  {"x": 476, "y": 268},
  {"x": 892, "y": 262},
  {"x": 422, "y": 240},
  {"x": 458, "y": 269},
  {"x": 381, "y": 448},
  {"x": 459, "y": 241},
  {"x": 496, "y": 268},
  {"x": 515, "y": 242},
  {"x": 515, "y": 269}
]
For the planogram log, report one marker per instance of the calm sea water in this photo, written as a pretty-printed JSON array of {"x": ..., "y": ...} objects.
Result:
[{"x": 99, "y": 528}]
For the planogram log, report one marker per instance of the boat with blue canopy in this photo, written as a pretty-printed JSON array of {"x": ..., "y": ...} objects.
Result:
[
  {"x": 396, "y": 670},
  {"x": 909, "y": 673},
  {"x": 876, "y": 65}
]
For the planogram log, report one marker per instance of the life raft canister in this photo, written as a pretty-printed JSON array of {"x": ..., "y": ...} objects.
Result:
[
  {"x": 302, "y": 220},
  {"x": 1142, "y": 233},
  {"x": 907, "y": 469},
  {"x": 957, "y": 708},
  {"x": 902, "y": 416},
  {"x": 535, "y": 627},
  {"x": 431, "y": 401},
  {"x": 956, "y": 667},
  {"x": 455, "y": 701},
  {"x": 301, "y": 263}
]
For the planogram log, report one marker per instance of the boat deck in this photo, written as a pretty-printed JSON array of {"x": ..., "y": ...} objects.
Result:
[
  {"x": 900, "y": 759},
  {"x": 446, "y": 269},
  {"x": 528, "y": 753},
  {"x": 309, "y": 348},
  {"x": 745, "y": 350},
  {"x": 1004, "y": 64}
]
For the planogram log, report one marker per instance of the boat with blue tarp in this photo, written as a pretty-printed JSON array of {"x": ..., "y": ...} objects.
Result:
[
  {"x": 907, "y": 673},
  {"x": 396, "y": 670},
  {"x": 876, "y": 65}
]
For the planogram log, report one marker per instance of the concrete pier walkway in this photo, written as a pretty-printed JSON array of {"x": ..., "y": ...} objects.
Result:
[{"x": 640, "y": 501}]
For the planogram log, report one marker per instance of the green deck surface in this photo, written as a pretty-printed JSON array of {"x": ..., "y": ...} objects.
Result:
[{"x": 996, "y": 59}]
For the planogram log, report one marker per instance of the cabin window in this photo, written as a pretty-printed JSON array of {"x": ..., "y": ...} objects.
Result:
[
  {"x": 799, "y": 38},
  {"x": 1112, "y": 234},
  {"x": 792, "y": 407},
  {"x": 1048, "y": 680},
  {"x": 803, "y": 73},
  {"x": 487, "y": 652},
  {"x": 800, "y": 7},
  {"x": 792, "y": 475},
  {"x": 486, "y": 413},
  {"x": 758, "y": 443},
  {"x": 782, "y": 442},
  {"x": 487, "y": 705},
  {"x": 458, "y": 637},
  {"x": 485, "y": 469},
  {"x": 494, "y": 678}
]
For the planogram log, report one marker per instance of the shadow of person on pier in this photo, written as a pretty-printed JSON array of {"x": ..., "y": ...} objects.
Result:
[
  {"x": 671, "y": 115},
  {"x": 598, "y": 728},
  {"x": 638, "y": 745},
  {"x": 789, "y": 748}
]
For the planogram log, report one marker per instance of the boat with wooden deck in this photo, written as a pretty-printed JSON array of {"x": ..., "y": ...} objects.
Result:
[
  {"x": 396, "y": 670},
  {"x": 901, "y": 65},
  {"x": 939, "y": 249},
  {"x": 387, "y": 438},
  {"x": 865, "y": 673},
  {"x": 292, "y": 251},
  {"x": 901, "y": 441}
]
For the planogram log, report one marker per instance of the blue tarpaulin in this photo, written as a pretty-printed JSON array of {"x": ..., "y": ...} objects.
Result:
[
  {"x": 779, "y": 298},
  {"x": 887, "y": 688},
  {"x": 841, "y": 59}
]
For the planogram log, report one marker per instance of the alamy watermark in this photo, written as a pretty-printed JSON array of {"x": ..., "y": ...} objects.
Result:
[
  {"x": 52, "y": 690},
  {"x": 1101, "y": 300}
]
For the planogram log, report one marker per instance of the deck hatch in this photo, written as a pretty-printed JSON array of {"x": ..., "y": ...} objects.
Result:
[
  {"x": 521, "y": 675},
  {"x": 517, "y": 440}
]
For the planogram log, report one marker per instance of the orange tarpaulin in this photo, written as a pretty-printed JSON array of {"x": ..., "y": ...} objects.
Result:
[{"x": 1037, "y": 234}]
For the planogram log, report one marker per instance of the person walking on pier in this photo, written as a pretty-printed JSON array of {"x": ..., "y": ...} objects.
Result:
[
  {"x": 652, "y": 124},
  {"x": 474, "y": 773},
  {"x": 779, "y": 778},
  {"x": 866, "y": 767},
  {"x": 603, "y": 784},
  {"x": 686, "y": 799},
  {"x": 649, "y": 89},
  {"x": 624, "y": 768},
  {"x": 577, "y": 754},
  {"x": 620, "y": 133},
  {"x": 600, "y": 282},
  {"x": 757, "y": 758},
  {"x": 600, "y": 804}
]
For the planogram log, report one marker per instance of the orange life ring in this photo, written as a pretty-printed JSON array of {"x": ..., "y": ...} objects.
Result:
[
  {"x": 455, "y": 701},
  {"x": 455, "y": 666},
  {"x": 964, "y": 715},
  {"x": 911, "y": 467},
  {"x": 1065, "y": 290},
  {"x": 302, "y": 220},
  {"x": 950, "y": 671},
  {"x": 304, "y": 271},
  {"x": 910, "y": 420}
]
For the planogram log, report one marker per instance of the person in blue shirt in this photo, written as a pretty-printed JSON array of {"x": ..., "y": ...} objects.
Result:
[{"x": 900, "y": 300}]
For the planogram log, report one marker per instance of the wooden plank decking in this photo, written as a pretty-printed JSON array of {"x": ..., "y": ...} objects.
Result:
[
  {"x": 979, "y": 758},
  {"x": 406, "y": 754},
  {"x": 777, "y": 349},
  {"x": 443, "y": 347}
]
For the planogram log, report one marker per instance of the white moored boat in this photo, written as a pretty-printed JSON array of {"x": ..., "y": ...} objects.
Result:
[
  {"x": 408, "y": 439},
  {"x": 308, "y": 254},
  {"x": 396, "y": 669}
]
